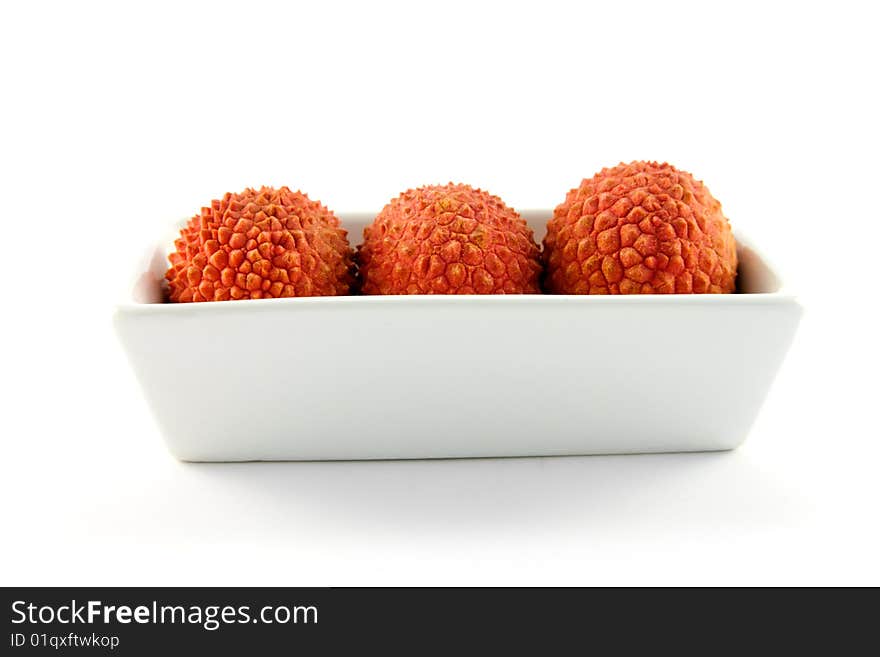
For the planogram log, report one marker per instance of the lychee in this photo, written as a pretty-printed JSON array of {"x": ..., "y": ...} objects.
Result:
[
  {"x": 639, "y": 228},
  {"x": 448, "y": 239},
  {"x": 261, "y": 244}
]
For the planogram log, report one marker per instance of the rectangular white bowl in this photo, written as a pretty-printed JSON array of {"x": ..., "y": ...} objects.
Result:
[{"x": 456, "y": 376}]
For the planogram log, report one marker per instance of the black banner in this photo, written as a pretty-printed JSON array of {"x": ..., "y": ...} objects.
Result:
[{"x": 149, "y": 621}]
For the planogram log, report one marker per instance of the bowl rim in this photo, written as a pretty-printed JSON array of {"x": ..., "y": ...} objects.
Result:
[{"x": 148, "y": 263}]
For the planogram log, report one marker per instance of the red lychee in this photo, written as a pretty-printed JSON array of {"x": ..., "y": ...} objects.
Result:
[
  {"x": 639, "y": 228},
  {"x": 261, "y": 244},
  {"x": 448, "y": 239}
]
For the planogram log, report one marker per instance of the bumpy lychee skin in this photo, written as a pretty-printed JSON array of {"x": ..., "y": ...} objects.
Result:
[
  {"x": 449, "y": 239},
  {"x": 639, "y": 228},
  {"x": 261, "y": 244}
]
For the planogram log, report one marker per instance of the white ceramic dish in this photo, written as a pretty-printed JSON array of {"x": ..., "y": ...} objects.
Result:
[{"x": 447, "y": 376}]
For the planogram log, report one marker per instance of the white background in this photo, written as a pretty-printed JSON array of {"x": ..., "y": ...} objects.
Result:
[{"x": 117, "y": 121}]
